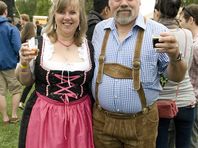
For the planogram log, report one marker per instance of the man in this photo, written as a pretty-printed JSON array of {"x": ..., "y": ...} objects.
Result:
[
  {"x": 38, "y": 28},
  {"x": 126, "y": 79},
  {"x": 189, "y": 20},
  {"x": 100, "y": 12},
  {"x": 10, "y": 43},
  {"x": 24, "y": 18}
]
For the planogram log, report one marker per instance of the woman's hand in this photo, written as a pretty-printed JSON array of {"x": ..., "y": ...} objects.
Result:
[{"x": 27, "y": 54}]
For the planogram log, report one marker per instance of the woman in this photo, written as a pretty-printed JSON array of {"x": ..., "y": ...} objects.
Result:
[
  {"x": 27, "y": 33},
  {"x": 189, "y": 20},
  {"x": 181, "y": 92},
  {"x": 58, "y": 114}
]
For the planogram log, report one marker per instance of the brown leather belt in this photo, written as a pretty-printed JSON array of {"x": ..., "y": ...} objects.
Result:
[{"x": 125, "y": 115}]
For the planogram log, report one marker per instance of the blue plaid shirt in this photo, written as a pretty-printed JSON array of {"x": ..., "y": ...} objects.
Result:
[{"x": 118, "y": 95}]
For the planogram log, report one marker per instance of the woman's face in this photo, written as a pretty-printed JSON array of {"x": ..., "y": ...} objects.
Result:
[
  {"x": 67, "y": 20},
  {"x": 183, "y": 22}
]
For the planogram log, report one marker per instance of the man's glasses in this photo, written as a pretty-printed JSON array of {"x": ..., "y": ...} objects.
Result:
[{"x": 189, "y": 13}]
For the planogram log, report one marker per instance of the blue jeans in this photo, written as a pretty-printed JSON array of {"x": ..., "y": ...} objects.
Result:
[
  {"x": 194, "y": 138},
  {"x": 183, "y": 128}
]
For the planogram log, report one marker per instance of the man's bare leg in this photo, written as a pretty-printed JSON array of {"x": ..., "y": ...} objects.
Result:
[{"x": 3, "y": 108}]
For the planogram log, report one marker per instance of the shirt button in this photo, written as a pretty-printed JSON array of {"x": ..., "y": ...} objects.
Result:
[
  {"x": 118, "y": 110},
  {"x": 116, "y": 96}
]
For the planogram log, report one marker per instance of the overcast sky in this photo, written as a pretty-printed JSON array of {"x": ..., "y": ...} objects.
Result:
[{"x": 147, "y": 6}]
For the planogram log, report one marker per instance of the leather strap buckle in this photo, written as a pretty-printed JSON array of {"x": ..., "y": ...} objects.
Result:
[
  {"x": 136, "y": 65},
  {"x": 101, "y": 58},
  {"x": 145, "y": 110}
]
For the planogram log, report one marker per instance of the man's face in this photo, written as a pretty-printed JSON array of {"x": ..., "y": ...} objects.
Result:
[{"x": 124, "y": 11}]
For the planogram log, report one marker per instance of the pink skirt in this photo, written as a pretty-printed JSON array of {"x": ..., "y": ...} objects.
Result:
[{"x": 60, "y": 125}]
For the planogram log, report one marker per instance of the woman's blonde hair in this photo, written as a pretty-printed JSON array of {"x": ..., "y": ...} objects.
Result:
[
  {"x": 25, "y": 17},
  {"x": 59, "y": 6}
]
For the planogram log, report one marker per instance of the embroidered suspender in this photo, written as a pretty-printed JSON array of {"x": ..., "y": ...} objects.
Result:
[{"x": 122, "y": 72}]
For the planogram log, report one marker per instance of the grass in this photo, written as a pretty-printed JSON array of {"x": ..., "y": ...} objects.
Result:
[{"x": 9, "y": 133}]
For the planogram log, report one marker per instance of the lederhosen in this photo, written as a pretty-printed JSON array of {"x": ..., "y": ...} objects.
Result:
[{"x": 113, "y": 129}]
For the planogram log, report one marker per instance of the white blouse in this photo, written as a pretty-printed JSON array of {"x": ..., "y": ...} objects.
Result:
[{"x": 49, "y": 64}]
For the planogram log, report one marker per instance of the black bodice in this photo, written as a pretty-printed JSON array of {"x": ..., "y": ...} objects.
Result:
[{"x": 63, "y": 85}]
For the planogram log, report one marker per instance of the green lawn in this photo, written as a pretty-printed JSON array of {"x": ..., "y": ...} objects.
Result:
[{"x": 9, "y": 133}]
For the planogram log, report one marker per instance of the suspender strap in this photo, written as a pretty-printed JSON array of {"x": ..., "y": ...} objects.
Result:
[
  {"x": 136, "y": 69},
  {"x": 102, "y": 57},
  {"x": 136, "y": 60},
  {"x": 142, "y": 98},
  {"x": 101, "y": 63}
]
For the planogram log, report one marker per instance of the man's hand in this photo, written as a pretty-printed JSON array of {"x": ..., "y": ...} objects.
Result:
[
  {"x": 168, "y": 44},
  {"x": 177, "y": 67}
]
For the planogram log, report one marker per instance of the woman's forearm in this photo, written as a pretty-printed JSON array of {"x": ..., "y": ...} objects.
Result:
[{"x": 24, "y": 75}]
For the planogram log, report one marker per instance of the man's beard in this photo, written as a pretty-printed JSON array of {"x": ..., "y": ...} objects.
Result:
[{"x": 123, "y": 19}]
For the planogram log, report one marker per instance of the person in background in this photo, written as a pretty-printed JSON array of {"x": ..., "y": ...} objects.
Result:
[
  {"x": 156, "y": 13},
  {"x": 126, "y": 77},
  {"x": 181, "y": 92},
  {"x": 10, "y": 20},
  {"x": 18, "y": 25},
  {"x": 9, "y": 49},
  {"x": 38, "y": 28},
  {"x": 101, "y": 11},
  {"x": 27, "y": 33},
  {"x": 58, "y": 113},
  {"x": 24, "y": 18},
  {"x": 189, "y": 20}
]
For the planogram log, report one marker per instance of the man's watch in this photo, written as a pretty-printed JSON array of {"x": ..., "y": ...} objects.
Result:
[{"x": 179, "y": 57}]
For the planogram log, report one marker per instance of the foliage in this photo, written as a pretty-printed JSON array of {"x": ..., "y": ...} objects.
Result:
[
  {"x": 9, "y": 133},
  {"x": 88, "y": 5},
  {"x": 186, "y": 2},
  {"x": 26, "y": 6},
  {"x": 40, "y": 7}
]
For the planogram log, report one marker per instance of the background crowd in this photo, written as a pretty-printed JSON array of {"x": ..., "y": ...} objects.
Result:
[{"x": 95, "y": 79}]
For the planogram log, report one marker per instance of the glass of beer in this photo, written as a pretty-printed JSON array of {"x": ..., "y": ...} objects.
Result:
[
  {"x": 33, "y": 45},
  {"x": 155, "y": 39}
]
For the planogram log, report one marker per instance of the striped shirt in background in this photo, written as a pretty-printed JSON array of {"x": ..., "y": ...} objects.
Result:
[{"x": 194, "y": 67}]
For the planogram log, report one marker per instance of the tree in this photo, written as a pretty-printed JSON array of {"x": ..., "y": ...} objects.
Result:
[
  {"x": 10, "y": 4},
  {"x": 33, "y": 7},
  {"x": 26, "y": 6},
  {"x": 186, "y": 2},
  {"x": 88, "y": 5},
  {"x": 40, "y": 7}
]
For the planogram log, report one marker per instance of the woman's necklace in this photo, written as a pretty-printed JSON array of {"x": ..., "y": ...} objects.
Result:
[
  {"x": 67, "y": 53},
  {"x": 66, "y": 45}
]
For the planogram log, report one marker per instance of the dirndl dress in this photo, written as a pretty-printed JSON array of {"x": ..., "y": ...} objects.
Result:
[{"x": 58, "y": 114}]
